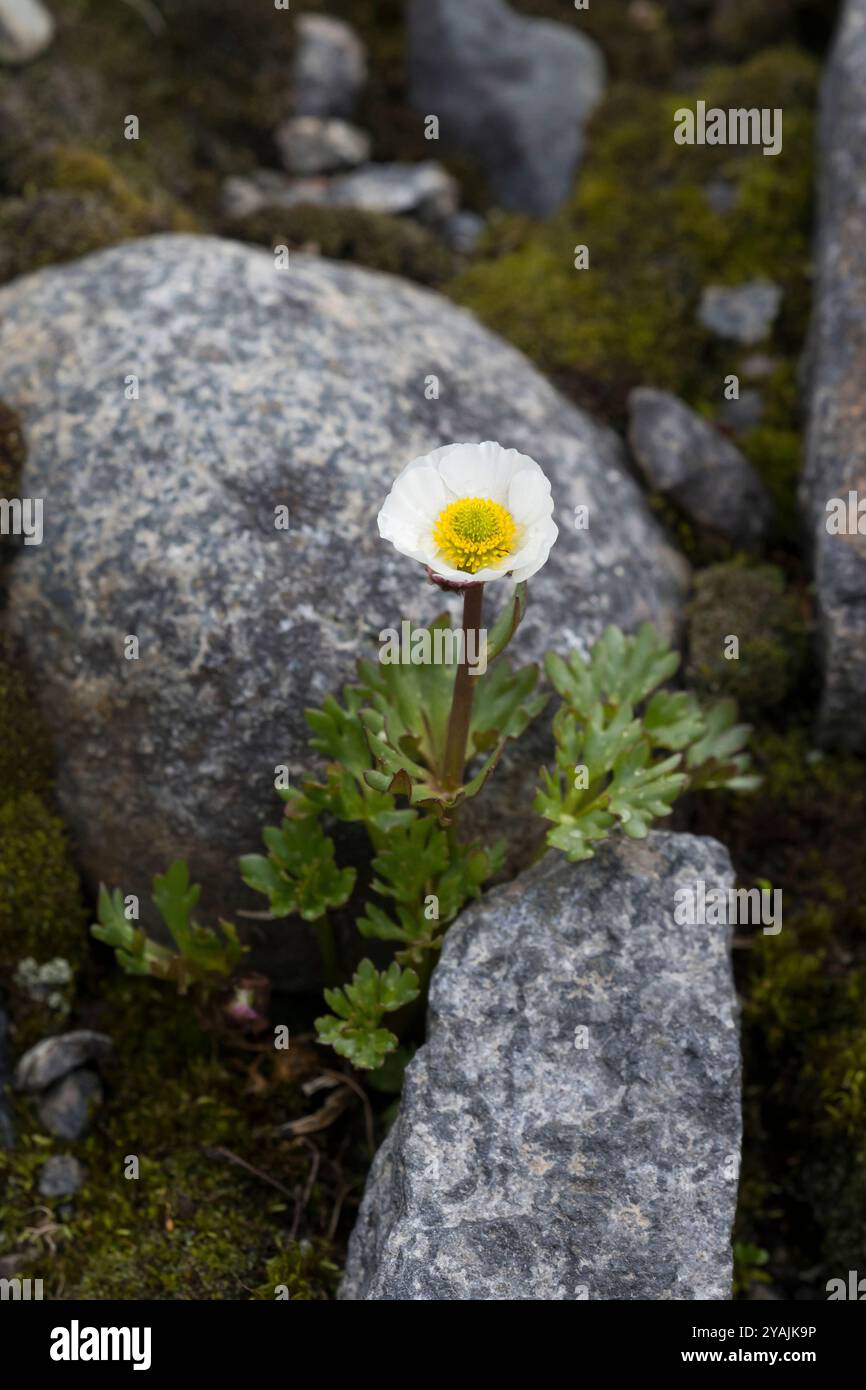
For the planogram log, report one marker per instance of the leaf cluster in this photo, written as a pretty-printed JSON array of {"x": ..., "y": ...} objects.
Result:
[{"x": 626, "y": 748}]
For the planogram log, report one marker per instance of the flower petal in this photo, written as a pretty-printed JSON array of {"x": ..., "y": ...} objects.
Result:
[
  {"x": 529, "y": 496},
  {"x": 480, "y": 470}
]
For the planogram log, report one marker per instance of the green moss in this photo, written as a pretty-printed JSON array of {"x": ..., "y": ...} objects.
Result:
[
  {"x": 184, "y": 1229},
  {"x": 41, "y": 912},
  {"x": 195, "y": 1223},
  {"x": 654, "y": 243},
  {"x": 25, "y": 749},
  {"x": 53, "y": 227},
  {"x": 740, "y": 26},
  {"x": 42, "y": 918},
  {"x": 777, "y": 455},
  {"x": 208, "y": 89},
  {"x": 806, "y": 1034},
  {"x": 76, "y": 201},
  {"x": 749, "y": 1262},
  {"x": 803, "y": 1188},
  {"x": 305, "y": 1271},
  {"x": 750, "y": 603},
  {"x": 638, "y": 41},
  {"x": 384, "y": 243},
  {"x": 700, "y": 547}
]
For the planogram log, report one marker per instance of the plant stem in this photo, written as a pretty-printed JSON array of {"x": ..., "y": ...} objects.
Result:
[
  {"x": 464, "y": 689},
  {"x": 327, "y": 948}
]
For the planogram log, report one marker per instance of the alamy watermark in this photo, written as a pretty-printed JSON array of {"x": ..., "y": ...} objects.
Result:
[
  {"x": 852, "y": 1290},
  {"x": 437, "y": 646},
  {"x": 77, "y": 1343},
  {"x": 22, "y": 516},
  {"x": 737, "y": 126},
  {"x": 846, "y": 517},
  {"x": 719, "y": 907},
  {"x": 20, "y": 1290}
]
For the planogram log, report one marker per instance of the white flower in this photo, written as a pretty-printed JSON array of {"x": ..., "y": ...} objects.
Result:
[{"x": 472, "y": 513}]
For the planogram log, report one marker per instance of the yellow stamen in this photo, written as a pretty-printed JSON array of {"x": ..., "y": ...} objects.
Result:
[{"x": 473, "y": 533}]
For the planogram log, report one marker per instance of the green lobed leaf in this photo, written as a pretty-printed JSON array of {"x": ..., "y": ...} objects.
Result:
[
  {"x": 299, "y": 875},
  {"x": 642, "y": 789},
  {"x": 621, "y": 670},
  {"x": 202, "y": 953},
  {"x": 612, "y": 723},
  {"x": 175, "y": 899},
  {"x": 719, "y": 757},
  {"x": 353, "y": 1027}
]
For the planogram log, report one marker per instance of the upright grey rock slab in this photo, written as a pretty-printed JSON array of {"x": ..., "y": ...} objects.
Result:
[
  {"x": 836, "y": 441},
  {"x": 259, "y": 388},
  {"x": 513, "y": 92},
  {"x": 524, "y": 1164}
]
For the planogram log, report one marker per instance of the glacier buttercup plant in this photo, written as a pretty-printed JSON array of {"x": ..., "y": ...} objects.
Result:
[
  {"x": 470, "y": 513},
  {"x": 407, "y": 745}
]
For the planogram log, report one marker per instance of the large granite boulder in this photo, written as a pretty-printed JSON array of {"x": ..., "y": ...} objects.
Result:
[
  {"x": 836, "y": 448},
  {"x": 258, "y": 388},
  {"x": 571, "y": 1127},
  {"x": 515, "y": 93}
]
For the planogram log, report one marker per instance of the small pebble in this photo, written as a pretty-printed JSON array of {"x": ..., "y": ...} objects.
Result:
[
  {"x": 53, "y": 1057},
  {"x": 66, "y": 1106},
  {"x": 745, "y": 313},
  {"x": 743, "y": 413},
  {"x": 313, "y": 145},
  {"x": 61, "y": 1175}
]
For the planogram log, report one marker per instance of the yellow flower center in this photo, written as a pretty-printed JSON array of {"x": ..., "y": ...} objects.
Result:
[{"x": 474, "y": 532}]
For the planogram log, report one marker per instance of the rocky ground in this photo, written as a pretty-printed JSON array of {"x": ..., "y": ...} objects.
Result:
[{"x": 312, "y": 135}]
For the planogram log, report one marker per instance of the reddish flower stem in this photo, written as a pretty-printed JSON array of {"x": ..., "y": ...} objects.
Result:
[{"x": 464, "y": 689}]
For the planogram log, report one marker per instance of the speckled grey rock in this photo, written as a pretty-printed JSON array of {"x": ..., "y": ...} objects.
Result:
[
  {"x": 330, "y": 67},
  {"x": 26, "y": 30},
  {"x": 515, "y": 93},
  {"x": 744, "y": 313},
  {"x": 426, "y": 191},
  {"x": 531, "y": 1160},
  {"x": 836, "y": 440},
  {"x": 53, "y": 1057},
  {"x": 313, "y": 145},
  {"x": 259, "y": 388},
  {"x": 61, "y": 1175},
  {"x": 687, "y": 459},
  {"x": 67, "y": 1105}
]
